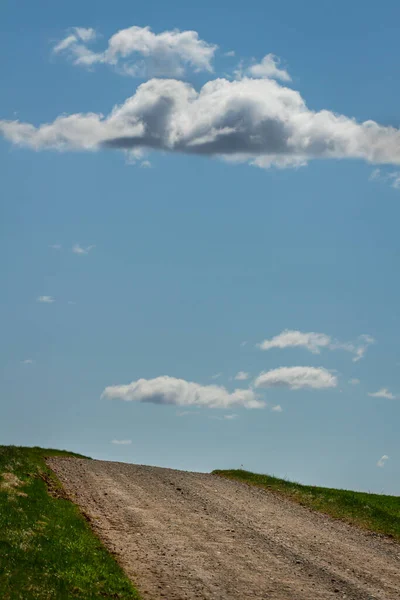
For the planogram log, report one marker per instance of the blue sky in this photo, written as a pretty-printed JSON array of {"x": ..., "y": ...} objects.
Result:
[{"x": 173, "y": 264}]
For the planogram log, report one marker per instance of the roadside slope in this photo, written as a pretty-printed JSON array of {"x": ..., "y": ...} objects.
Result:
[
  {"x": 47, "y": 550},
  {"x": 186, "y": 535}
]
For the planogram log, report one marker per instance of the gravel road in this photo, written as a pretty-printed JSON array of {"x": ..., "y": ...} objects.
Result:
[{"x": 184, "y": 536}]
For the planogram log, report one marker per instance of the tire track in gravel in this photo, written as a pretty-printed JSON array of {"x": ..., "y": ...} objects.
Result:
[{"x": 182, "y": 535}]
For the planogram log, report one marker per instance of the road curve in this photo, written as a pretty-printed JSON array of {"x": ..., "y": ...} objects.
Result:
[{"x": 184, "y": 536}]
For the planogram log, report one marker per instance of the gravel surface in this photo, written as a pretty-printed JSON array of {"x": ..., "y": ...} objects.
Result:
[{"x": 183, "y": 536}]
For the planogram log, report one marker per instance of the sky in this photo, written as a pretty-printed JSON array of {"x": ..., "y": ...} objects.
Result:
[{"x": 199, "y": 235}]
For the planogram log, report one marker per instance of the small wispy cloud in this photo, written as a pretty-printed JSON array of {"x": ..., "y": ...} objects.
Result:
[
  {"x": 55, "y": 246},
  {"x": 315, "y": 342},
  {"x": 76, "y": 35},
  {"x": 28, "y": 361},
  {"x": 382, "y": 393},
  {"x": 358, "y": 348},
  {"x": 78, "y": 249},
  {"x": 277, "y": 408},
  {"x": 186, "y": 413},
  {"x": 242, "y": 376},
  {"x": 382, "y": 461},
  {"x": 216, "y": 375},
  {"x": 269, "y": 68},
  {"x": 45, "y": 299},
  {"x": 122, "y": 442},
  {"x": 376, "y": 173},
  {"x": 229, "y": 53},
  {"x": 71, "y": 302},
  {"x": 135, "y": 155},
  {"x": 231, "y": 417},
  {"x": 354, "y": 381},
  {"x": 395, "y": 178},
  {"x": 145, "y": 164},
  {"x": 243, "y": 344},
  {"x": 392, "y": 178}
]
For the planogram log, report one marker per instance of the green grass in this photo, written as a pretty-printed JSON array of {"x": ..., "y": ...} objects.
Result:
[
  {"x": 374, "y": 512},
  {"x": 47, "y": 549}
]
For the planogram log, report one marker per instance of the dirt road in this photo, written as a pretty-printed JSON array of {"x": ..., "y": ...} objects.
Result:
[{"x": 182, "y": 535}]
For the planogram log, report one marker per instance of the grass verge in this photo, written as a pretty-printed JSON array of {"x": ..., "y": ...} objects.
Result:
[
  {"x": 374, "y": 512},
  {"x": 47, "y": 550}
]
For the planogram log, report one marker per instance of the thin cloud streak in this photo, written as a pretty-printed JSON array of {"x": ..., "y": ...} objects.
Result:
[
  {"x": 242, "y": 376},
  {"x": 382, "y": 393},
  {"x": 78, "y": 249},
  {"x": 45, "y": 299},
  {"x": 382, "y": 461}
]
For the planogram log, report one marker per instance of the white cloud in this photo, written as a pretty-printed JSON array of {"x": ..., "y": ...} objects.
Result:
[
  {"x": 28, "y": 361},
  {"x": 78, "y": 249},
  {"x": 291, "y": 339},
  {"x": 382, "y": 393},
  {"x": 73, "y": 41},
  {"x": 138, "y": 52},
  {"x": 277, "y": 408},
  {"x": 354, "y": 381},
  {"x": 122, "y": 442},
  {"x": 254, "y": 120},
  {"x": 55, "y": 246},
  {"x": 229, "y": 53},
  {"x": 243, "y": 344},
  {"x": 395, "y": 179},
  {"x": 381, "y": 462},
  {"x": 296, "y": 378},
  {"x": 231, "y": 417},
  {"x": 67, "y": 42},
  {"x": 134, "y": 155},
  {"x": 45, "y": 299},
  {"x": 145, "y": 164},
  {"x": 357, "y": 348},
  {"x": 71, "y": 302},
  {"x": 216, "y": 375},
  {"x": 315, "y": 342},
  {"x": 169, "y": 390},
  {"x": 186, "y": 413},
  {"x": 269, "y": 67},
  {"x": 376, "y": 173},
  {"x": 242, "y": 376},
  {"x": 392, "y": 178}
]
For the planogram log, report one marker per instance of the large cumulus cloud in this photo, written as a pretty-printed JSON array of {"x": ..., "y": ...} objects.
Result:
[{"x": 256, "y": 120}]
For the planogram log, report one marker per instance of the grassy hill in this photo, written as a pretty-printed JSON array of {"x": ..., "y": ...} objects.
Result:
[
  {"x": 375, "y": 512},
  {"x": 47, "y": 549}
]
